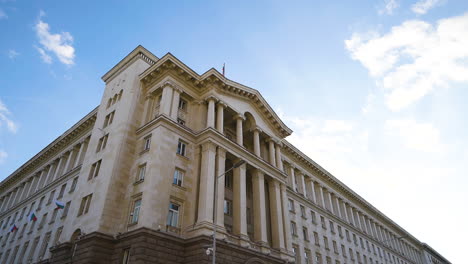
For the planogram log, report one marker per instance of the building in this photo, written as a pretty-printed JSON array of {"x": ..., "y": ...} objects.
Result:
[{"x": 136, "y": 177}]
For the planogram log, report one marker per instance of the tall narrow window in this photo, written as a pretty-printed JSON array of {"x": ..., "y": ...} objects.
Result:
[
  {"x": 135, "y": 212},
  {"x": 147, "y": 143},
  {"x": 57, "y": 235},
  {"x": 45, "y": 244},
  {"x": 108, "y": 119},
  {"x": 94, "y": 172},
  {"x": 178, "y": 177},
  {"x": 303, "y": 212},
  {"x": 291, "y": 205},
  {"x": 54, "y": 215},
  {"x": 325, "y": 242},
  {"x": 102, "y": 143},
  {"x": 322, "y": 220},
  {"x": 85, "y": 203},
  {"x": 227, "y": 207},
  {"x": 316, "y": 239},
  {"x": 51, "y": 197},
  {"x": 41, "y": 201},
  {"x": 173, "y": 215},
  {"x": 65, "y": 210},
  {"x": 23, "y": 251},
  {"x": 305, "y": 233},
  {"x": 181, "y": 148},
  {"x": 312, "y": 216},
  {"x": 293, "y": 228},
  {"x": 33, "y": 249},
  {"x": 228, "y": 181},
  {"x": 126, "y": 256},
  {"x": 141, "y": 172},
  {"x": 183, "y": 105},
  {"x": 43, "y": 220}
]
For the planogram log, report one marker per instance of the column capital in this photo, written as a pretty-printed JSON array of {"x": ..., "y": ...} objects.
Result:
[
  {"x": 257, "y": 129},
  {"x": 221, "y": 104},
  {"x": 168, "y": 83},
  {"x": 208, "y": 146},
  {"x": 211, "y": 98},
  {"x": 221, "y": 151},
  {"x": 239, "y": 116}
]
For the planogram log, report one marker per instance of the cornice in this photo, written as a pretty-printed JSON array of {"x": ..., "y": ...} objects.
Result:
[
  {"x": 344, "y": 190},
  {"x": 212, "y": 79},
  {"x": 85, "y": 124}
]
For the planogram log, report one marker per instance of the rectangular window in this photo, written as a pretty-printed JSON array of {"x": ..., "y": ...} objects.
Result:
[
  {"x": 312, "y": 216},
  {"x": 291, "y": 205},
  {"x": 178, "y": 177},
  {"x": 228, "y": 181},
  {"x": 43, "y": 220},
  {"x": 23, "y": 251},
  {"x": 362, "y": 243},
  {"x": 355, "y": 239},
  {"x": 94, "y": 172},
  {"x": 332, "y": 227},
  {"x": 325, "y": 242},
  {"x": 335, "y": 247},
  {"x": 54, "y": 215},
  {"x": 173, "y": 215},
  {"x": 293, "y": 228},
  {"x": 307, "y": 256},
  {"x": 135, "y": 212},
  {"x": 318, "y": 258},
  {"x": 33, "y": 223},
  {"x": 108, "y": 119},
  {"x": 33, "y": 249},
  {"x": 22, "y": 230},
  {"x": 347, "y": 235},
  {"x": 322, "y": 220},
  {"x": 181, "y": 121},
  {"x": 181, "y": 148},
  {"x": 303, "y": 212},
  {"x": 126, "y": 256},
  {"x": 147, "y": 143},
  {"x": 340, "y": 231},
  {"x": 351, "y": 255},
  {"x": 316, "y": 239},
  {"x": 85, "y": 203},
  {"x": 102, "y": 143},
  {"x": 62, "y": 191},
  {"x": 141, "y": 172},
  {"x": 65, "y": 210},
  {"x": 182, "y": 105},
  {"x": 45, "y": 244},
  {"x": 343, "y": 250},
  {"x": 21, "y": 215},
  {"x": 51, "y": 197},
  {"x": 57, "y": 235},
  {"x": 41, "y": 201},
  {"x": 73, "y": 185},
  {"x": 305, "y": 233},
  {"x": 228, "y": 207}
]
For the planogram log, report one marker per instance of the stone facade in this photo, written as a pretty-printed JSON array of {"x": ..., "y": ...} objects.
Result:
[{"x": 138, "y": 176}]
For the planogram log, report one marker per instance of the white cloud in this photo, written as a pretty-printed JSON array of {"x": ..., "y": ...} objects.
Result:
[
  {"x": 3, "y": 15},
  {"x": 417, "y": 136},
  {"x": 4, "y": 118},
  {"x": 421, "y": 7},
  {"x": 44, "y": 56},
  {"x": 3, "y": 156},
  {"x": 13, "y": 54},
  {"x": 414, "y": 58},
  {"x": 389, "y": 6},
  {"x": 59, "y": 44},
  {"x": 333, "y": 126}
]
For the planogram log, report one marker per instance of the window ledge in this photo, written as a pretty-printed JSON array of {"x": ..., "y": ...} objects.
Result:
[
  {"x": 179, "y": 187},
  {"x": 182, "y": 156},
  {"x": 132, "y": 224},
  {"x": 144, "y": 151},
  {"x": 138, "y": 182}
]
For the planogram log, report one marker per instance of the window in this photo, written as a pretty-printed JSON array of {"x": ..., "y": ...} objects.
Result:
[
  {"x": 303, "y": 212},
  {"x": 33, "y": 249},
  {"x": 43, "y": 219},
  {"x": 45, "y": 244},
  {"x": 347, "y": 235},
  {"x": 141, "y": 172},
  {"x": 312, "y": 215},
  {"x": 358, "y": 256},
  {"x": 21, "y": 215},
  {"x": 227, "y": 207},
  {"x": 307, "y": 256},
  {"x": 318, "y": 258},
  {"x": 316, "y": 239},
  {"x": 355, "y": 239},
  {"x": 57, "y": 235},
  {"x": 51, "y": 197},
  {"x": 22, "y": 231},
  {"x": 65, "y": 210},
  {"x": 178, "y": 177},
  {"x": 73, "y": 185},
  {"x": 332, "y": 227},
  {"x": 294, "y": 250},
  {"x": 109, "y": 118},
  {"x": 335, "y": 247},
  {"x": 62, "y": 190},
  {"x": 94, "y": 170},
  {"x": 173, "y": 216},
  {"x": 325, "y": 241},
  {"x": 102, "y": 143},
  {"x": 228, "y": 181},
  {"x": 291, "y": 205},
  {"x": 367, "y": 245},
  {"x": 340, "y": 231},
  {"x": 23, "y": 251},
  {"x": 343, "y": 250},
  {"x": 181, "y": 148},
  {"x": 182, "y": 105},
  {"x": 328, "y": 260},
  {"x": 362, "y": 243},
  {"x": 33, "y": 223},
  {"x": 54, "y": 215},
  {"x": 135, "y": 212},
  {"x": 293, "y": 228},
  {"x": 322, "y": 220},
  {"x": 305, "y": 233},
  {"x": 41, "y": 201},
  {"x": 126, "y": 256},
  {"x": 146, "y": 143},
  {"x": 351, "y": 255},
  {"x": 85, "y": 203}
]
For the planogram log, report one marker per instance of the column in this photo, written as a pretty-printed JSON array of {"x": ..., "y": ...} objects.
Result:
[
  {"x": 50, "y": 173},
  {"x": 333, "y": 204},
  {"x": 34, "y": 181},
  {"x": 147, "y": 110},
  {"x": 71, "y": 159},
  {"x": 20, "y": 192},
  {"x": 330, "y": 202},
  {"x": 304, "y": 191},
  {"x": 59, "y": 169},
  {"x": 221, "y": 164},
  {"x": 349, "y": 214},
  {"x": 311, "y": 190},
  {"x": 85, "y": 148},
  {"x": 342, "y": 206},
  {"x": 271, "y": 151},
  {"x": 286, "y": 221},
  {"x": 26, "y": 189},
  {"x": 67, "y": 164},
  {"x": 279, "y": 161},
  {"x": 256, "y": 139},
  {"x": 259, "y": 212},
  {"x": 276, "y": 212},
  {"x": 42, "y": 178},
  {"x": 207, "y": 174},
  {"x": 5, "y": 202},
  {"x": 210, "y": 114},
  {"x": 239, "y": 129},
  {"x": 165, "y": 106},
  {"x": 338, "y": 207},
  {"x": 12, "y": 198},
  {"x": 240, "y": 202},
  {"x": 292, "y": 177},
  {"x": 78, "y": 156},
  {"x": 356, "y": 217},
  {"x": 220, "y": 117},
  {"x": 322, "y": 196},
  {"x": 175, "y": 103}
]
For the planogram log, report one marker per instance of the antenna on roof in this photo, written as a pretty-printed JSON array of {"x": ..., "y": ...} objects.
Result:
[{"x": 224, "y": 68}]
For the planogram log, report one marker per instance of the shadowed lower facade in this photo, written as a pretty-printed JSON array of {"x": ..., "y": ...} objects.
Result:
[{"x": 134, "y": 182}]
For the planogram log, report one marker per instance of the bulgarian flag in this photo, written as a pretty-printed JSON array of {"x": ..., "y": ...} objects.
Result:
[
  {"x": 59, "y": 204},
  {"x": 13, "y": 228},
  {"x": 33, "y": 217}
]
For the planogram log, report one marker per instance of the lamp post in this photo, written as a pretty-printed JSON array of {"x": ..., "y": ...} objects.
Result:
[{"x": 236, "y": 165}]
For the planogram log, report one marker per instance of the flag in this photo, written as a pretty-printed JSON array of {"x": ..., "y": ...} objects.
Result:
[
  {"x": 13, "y": 228},
  {"x": 33, "y": 217},
  {"x": 224, "y": 67},
  {"x": 59, "y": 204}
]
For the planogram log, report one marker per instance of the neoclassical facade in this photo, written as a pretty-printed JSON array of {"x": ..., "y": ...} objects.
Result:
[{"x": 138, "y": 175}]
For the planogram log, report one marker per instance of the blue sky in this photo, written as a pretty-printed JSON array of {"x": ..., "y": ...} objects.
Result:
[{"x": 375, "y": 91}]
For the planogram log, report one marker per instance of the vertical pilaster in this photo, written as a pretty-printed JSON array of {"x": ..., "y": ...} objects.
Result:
[
  {"x": 67, "y": 164},
  {"x": 258, "y": 184},
  {"x": 322, "y": 196},
  {"x": 165, "y": 106},
  {"x": 221, "y": 161},
  {"x": 292, "y": 177},
  {"x": 256, "y": 139},
  {"x": 240, "y": 202},
  {"x": 277, "y": 233},
  {"x": 210, "y": 114},
  {"x": 286, "y": 221},
  {"x": 175, "y": 103},
  {"x": 239, "y": 130},
  {"x": 207, "y": 174},
  {"x": 50, "y": 173},
  {"x": 279, "y": 161},
  {"x": 220, "y": 117},
  {"x": 310, "y": 183},
  {"x": 78, "y": 156},
  {"x": 271, "y": 152},
  {"x": 59, "y": 169},
  {"x": 330, "y": 202},
  {"x": 146, "y": 110},
  {"x": 303, "y": 184}
]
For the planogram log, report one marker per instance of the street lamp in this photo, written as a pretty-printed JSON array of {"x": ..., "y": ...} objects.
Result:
[{"x": 213, "y": 249}]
